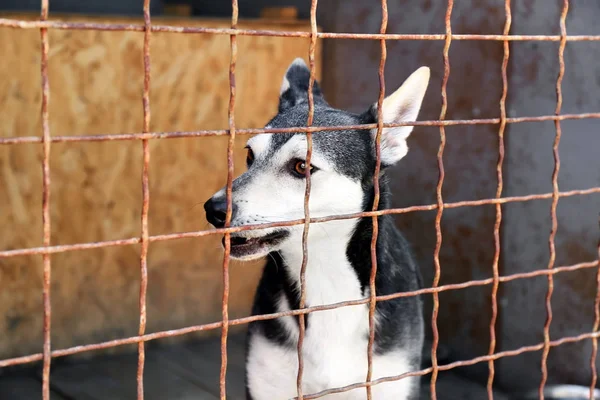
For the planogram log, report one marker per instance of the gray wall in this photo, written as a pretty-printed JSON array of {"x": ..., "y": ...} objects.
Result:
[
  {"x": 529, "y": 166},
  {"x": 350, "y": 81},
  {"x": 474, "y": 89}
]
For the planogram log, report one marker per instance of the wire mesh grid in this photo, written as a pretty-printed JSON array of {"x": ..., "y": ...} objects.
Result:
[{"x": 145, "y": 238}]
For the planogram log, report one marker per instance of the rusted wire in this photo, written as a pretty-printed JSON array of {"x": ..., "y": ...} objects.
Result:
[
  {"x": 595, "y": 327},
  {"x": 457, "y": 364},
  {"x": 555, "y": 197},
  {"x": 440, "y": 202},
  {"x": 309, "y": 144},
  {"x": 46, "y": 258},
  {"x": 195, "y": 234},
  {"x": 145, "y": 239},
  {"x": 23, "y": 24},
  {"x": 253, "y": 131},
  {"x": 376, "y": 197},
  {"x": 229, "y": 196},
  {"x": 145, "y": 202},
  {"x": 497, "y": 223},
  {"x": 245, "y": 320}
]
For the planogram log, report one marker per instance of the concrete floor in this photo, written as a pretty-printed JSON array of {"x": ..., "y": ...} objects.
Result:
[{"x": 175, "y": 372}]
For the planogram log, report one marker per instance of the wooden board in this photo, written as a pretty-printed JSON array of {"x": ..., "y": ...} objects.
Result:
[{"x": 96, "y": 82}]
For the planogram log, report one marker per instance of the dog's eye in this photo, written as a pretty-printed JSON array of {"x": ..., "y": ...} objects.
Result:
[
  {"x": 300, "y": 168},
  {"x": 249, "y": 157}
]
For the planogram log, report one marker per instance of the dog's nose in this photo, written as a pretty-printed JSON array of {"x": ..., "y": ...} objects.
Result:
[{"x": 216, "y": 211}]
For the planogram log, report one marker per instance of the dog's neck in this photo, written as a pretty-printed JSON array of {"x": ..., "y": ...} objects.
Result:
[
  {"x": 338, "y": 250},
  {"x": 327, "y": 242},
  {"x": 329, "y": 274},
  {"x": 330, "y": 245}
]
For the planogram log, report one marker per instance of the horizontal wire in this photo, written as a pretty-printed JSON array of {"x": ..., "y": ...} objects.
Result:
[
  {"x": 222, "y": 231},
  {"x": 457, "y": 364},
  {"x": 245, "y": 320},
  {"x": 254, "y": 131},
  {"x": 95, "y": 26}
]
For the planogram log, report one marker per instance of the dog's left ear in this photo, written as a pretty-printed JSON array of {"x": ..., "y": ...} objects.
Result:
[
  {"x": 402, "y": 105},
  {"x": 294, "y": 88}
]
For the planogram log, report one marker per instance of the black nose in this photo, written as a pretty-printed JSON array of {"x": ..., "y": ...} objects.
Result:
[{"x": 216, "y": 211}]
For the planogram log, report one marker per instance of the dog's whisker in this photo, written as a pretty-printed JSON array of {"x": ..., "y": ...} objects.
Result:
[
  {"x": 194, "y": 206},
  {"x": 274, "y": 260}
]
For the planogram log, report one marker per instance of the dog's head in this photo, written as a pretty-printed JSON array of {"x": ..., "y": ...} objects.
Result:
[{"x": 342, "y": 163}]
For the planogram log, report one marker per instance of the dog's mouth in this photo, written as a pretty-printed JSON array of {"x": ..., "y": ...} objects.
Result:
[{"x": 246, "y": 247}]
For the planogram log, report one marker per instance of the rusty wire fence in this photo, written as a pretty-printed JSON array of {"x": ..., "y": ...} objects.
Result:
[{"x": 145, "y": 238}]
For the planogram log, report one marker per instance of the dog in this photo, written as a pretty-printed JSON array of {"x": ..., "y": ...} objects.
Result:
[{"x": 339, "y": 251}]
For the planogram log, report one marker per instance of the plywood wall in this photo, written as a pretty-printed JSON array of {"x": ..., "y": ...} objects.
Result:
[{"x": 96, "y": 83}]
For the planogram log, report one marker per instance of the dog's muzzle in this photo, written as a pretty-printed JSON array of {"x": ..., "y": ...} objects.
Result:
[{"x": 216, "y": 211}]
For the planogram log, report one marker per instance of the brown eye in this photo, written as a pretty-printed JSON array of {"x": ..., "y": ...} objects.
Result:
[
  {"x": 300, "y": 168},
  {"x": 249, "y": 157}
]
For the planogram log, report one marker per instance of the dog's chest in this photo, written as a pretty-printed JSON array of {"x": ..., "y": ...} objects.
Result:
[
  {"x": 335, "y": 342},
  {"x": 330, "y": 279},
  {"x": 331, "y": 285}
]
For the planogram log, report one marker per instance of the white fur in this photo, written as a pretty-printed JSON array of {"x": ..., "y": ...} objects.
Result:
[
  {"x": 335, "y": 346},
  {"x": 259, "y": 143},
  {"x": 401, "y": 106}
]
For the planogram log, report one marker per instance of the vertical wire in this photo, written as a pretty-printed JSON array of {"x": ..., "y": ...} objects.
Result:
[
  {"x": 555, "y": 196},
  {"x": 145, "y": 202},
  {"x": 309, "y": 122},
  {"x": 230, "y": 168},
  {"x": 595, "y": 328},
  {"x": 440, "y": 201},
  {"x": 47, "y": 268},
  {"x": 376, "y": 198},
  {"x": 498, "y": 222}
]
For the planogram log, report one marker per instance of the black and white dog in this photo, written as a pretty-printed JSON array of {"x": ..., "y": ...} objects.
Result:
[{"x": 339, "y": 258}]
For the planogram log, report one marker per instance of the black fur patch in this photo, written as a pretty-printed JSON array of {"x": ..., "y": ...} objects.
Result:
[
  {"x": 274, "y": 283},
  {"x": 399, "y": 319},
  {"x": 298, "y": 76}
]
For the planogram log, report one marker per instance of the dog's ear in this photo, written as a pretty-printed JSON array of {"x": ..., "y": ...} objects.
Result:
[
  {"x": 294, "y": 88},
  {"x": 402, "y": 105}
]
